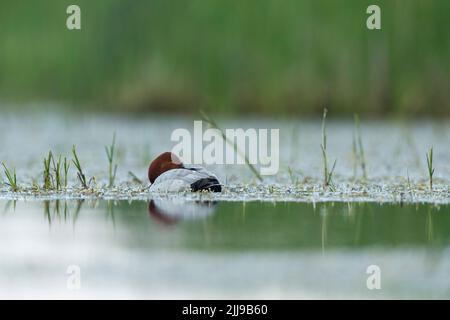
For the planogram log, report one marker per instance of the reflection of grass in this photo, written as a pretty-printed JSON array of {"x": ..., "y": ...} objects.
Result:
[
  {"x": 323, "y": 224},
  {"x": 77, "y": 211},
  {"x": 265, "y": 225},
  {"x": 52, "y": 210},
  {"x": 429, "y": 228},
  {"x": 55, "y": 213},
  {"x": 8, "y": 205},
  {"x": 12, "y": 178},
  {"x": 47, "y": 211},
  {"x": 66, "y": 210},
  {"x": 110, "y": 211}
]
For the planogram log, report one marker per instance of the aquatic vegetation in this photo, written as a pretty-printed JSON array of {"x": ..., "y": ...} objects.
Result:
[
  {"x": 47, "y": 175},
  {"x": 52, "y": 174},
  {"x": 35, "y": 186},
  {"x": 110, "y": 211},
  {"x": 9, "y": 204},
  {"x": 12, "y": 178},
  {"x": 112, "y": 168},
  {"x": 57, "y": 172},
  {"x": 77, "y": 211},
  {"x": 66, "y": 166},
  {"x": 354, "y": 156},
  {"x": 81, "y": 176},
  {"x": 134, "y": 177},
  {"x": 52, "y": 213},
  {"x": 392, "y": 177},
  {"x": 214, "y": 125},
  {"x": 327, "y": 174},
  {"x": 410, "y": 189},
  {"x": 294, "y": 180},
  {"x": 358, "y": 150},
  {"x": 430, "y": 167}
]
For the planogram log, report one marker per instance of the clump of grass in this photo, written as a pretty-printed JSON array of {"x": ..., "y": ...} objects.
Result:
[
  {"x": 81, "y": 176},
  {"x": 430, "y": 167},
  {"x": 358, "y": 149},
  {"x": 12, "y": 178},
  {"x": 112, "y": 168},
  {"x": 327, "y": 174},
  {"x": 47, "y": 175},
  {"x": 214, "y": 125},
  {"x": 35, "y": 185},
  {"x": 52, "y": 176}
]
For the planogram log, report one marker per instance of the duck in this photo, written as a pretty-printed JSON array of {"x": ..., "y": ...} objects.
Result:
[{"x": 167, "y": 173}]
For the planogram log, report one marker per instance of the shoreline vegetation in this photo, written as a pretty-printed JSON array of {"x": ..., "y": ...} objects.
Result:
[{"x": 57, "y": 181}]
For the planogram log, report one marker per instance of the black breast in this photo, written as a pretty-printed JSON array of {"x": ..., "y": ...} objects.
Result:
[{"x": 209, "y": 184}]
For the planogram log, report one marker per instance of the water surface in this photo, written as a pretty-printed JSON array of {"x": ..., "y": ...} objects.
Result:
[{"x": 177, "y": 249}]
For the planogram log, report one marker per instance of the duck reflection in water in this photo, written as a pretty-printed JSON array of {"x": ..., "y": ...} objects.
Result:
[{"x": 170, "y": 212}]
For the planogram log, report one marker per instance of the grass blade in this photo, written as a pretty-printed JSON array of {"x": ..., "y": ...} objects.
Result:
[
  {"x": 11, "y": 177},
  {"x": 81, "y": 176},
  {"x": 213, "y": 124}
]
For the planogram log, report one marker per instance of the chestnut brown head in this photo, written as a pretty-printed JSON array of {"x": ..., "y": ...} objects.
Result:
[{"x": 164, "y": 162}]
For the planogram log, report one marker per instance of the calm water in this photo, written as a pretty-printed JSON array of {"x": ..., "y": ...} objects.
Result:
[{"x": 221, "y": 250}]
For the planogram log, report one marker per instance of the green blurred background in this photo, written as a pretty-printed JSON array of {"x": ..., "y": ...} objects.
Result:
[{"x": 274, "y": 57}]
